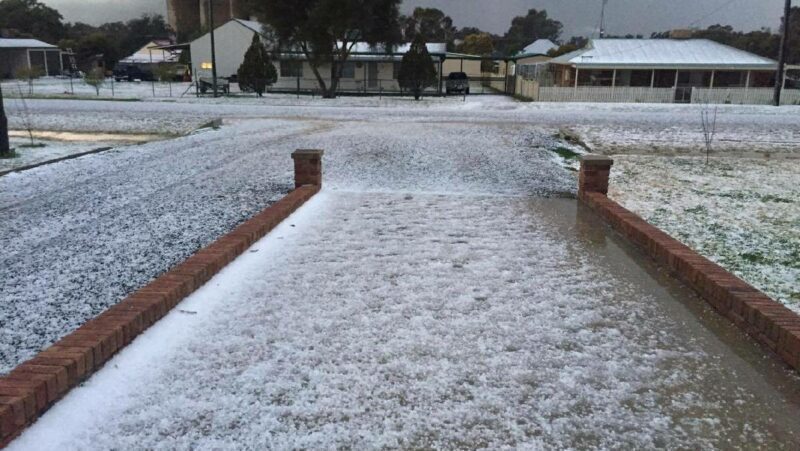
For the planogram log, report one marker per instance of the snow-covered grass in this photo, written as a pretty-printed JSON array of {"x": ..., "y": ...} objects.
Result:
[
  {"x": 81, "y": 234},
  {"x": 743, "y": 213},
  {"x": 46, "y": 150},
  {"x": 422, "y": 321},
  {"x": 84, "y": 233}
]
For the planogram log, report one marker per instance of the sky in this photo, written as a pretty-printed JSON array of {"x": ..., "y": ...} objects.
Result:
[{"x": 580, "y": 17}]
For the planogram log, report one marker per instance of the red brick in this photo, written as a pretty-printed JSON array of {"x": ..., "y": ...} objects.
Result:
[
  {"x": 8, "y": 424},
  {"x": 59, "y": 373},
  {"x": 50, "y": 382},
  {"x": 38, "y": 389},
  {"x": 69, "y": 365},
  {"x": 28, "y": 399},
  {"x": 18, "y": 407},
  {"x": 82, "y": 365},
  {"x": 84, "y": 354}
]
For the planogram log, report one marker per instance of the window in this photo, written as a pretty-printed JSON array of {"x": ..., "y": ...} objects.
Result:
[
  {"x": 349, "y": 70},
  {"x": 292, "y": 68}
]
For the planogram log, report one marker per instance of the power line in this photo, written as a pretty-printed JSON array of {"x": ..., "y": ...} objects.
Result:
[{"x": 720, "y": 8}]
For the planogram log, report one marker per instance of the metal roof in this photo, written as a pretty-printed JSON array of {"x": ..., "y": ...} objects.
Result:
[
  {"x": 539, "y": 47},
  {"x": 662, "y": 53},
  {"x": 6, "y": 43}
]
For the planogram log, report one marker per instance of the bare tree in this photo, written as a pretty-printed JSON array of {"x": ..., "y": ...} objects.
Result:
[
  {"x": 26, "y": 118},
  {"x": 708, "y": 119}
]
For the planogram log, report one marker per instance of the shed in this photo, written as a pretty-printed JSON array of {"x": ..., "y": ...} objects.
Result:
[{"x": 16, "y": 54}]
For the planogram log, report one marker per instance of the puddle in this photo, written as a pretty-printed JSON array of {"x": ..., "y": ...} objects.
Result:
[{"x": 86, "y": 137}]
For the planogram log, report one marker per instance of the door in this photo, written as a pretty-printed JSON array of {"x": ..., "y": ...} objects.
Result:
[{"x": 372, "y": 74}]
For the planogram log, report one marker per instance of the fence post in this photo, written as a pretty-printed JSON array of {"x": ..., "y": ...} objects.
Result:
[
  {"x": 594, "y": 173},
  {"x": 307, "y": 167}
]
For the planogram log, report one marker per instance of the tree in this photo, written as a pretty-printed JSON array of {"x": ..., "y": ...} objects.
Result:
[
  {"x": 529, "y": 28},
  {"x": 30, "y": 18},
  {"x": 479, "y": 44},
  {"x": 417, "y": 70},
  {"x": 257, "y": 71},
  {"x": 575, "y": 43},
  {"x": 5, "y": 147},
  {"x": 96, "y": 45},
  {"x": 430, "y": 23},
  {"x": 29, "y": 74},
  {"x": 326, "y": 31},
  {"x": 96, "y": 78}
]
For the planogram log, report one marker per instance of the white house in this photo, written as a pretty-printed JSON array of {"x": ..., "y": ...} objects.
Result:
[
  {"x": 654, "y": 70},
  {"x": 368, "y": 70},
  {"x": 17, "y": 54}
]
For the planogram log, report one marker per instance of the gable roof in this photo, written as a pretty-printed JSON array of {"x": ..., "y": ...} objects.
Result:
[
  {"x": 666, "y": 53},
  {"x": 7, "y": 43},
  {"x": 153, "y": 53},
  {"x": 538, "y": 47}
]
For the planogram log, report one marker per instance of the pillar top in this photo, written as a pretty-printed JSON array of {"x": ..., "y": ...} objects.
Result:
[
  {"x": 596, "y": 160},
  {"x": 307, "y": 154}
]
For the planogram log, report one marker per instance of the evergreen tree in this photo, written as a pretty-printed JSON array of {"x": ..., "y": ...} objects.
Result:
[
  {"x": 257, "y": 71},
  {"x": 417, "y": 70}
]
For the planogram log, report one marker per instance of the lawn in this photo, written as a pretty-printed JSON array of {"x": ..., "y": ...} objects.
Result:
[{"x": 743, "y": 213}]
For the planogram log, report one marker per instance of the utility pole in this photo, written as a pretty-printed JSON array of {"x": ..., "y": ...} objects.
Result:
[
  {"x": 213, "y": 49},
  {"x": 603, "y": 20},
  {"x": 5, "y": 147},
  {"x": 779, "y": 76}
]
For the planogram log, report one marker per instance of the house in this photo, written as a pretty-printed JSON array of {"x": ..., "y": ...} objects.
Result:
[
  {"x": 679, "y": 64},
  {"x": 16, "y": 54},
  {"x": 368, "y": 70}
]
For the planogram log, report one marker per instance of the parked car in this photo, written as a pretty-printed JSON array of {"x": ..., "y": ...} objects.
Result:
[
  {"x": 130, "y": 72},
  {"x": 207, "y": 85},
  {"x": 457, "y": 82}
]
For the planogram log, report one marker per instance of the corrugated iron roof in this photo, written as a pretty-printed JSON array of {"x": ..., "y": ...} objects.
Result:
[{"x": 654, "y": 53}]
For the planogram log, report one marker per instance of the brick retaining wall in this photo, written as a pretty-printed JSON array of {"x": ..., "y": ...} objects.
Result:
[
  {"x": 32, "y": 387},
  {"x": 767, "y": 321}
]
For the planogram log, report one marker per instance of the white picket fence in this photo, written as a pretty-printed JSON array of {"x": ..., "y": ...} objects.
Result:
[
  {"x": 607, "y": 94},
  {"x": 528, "y": 89},
  {"x": 744, "y": 96}
]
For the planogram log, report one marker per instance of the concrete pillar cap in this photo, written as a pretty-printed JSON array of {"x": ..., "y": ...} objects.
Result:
[
  {"x": 596, "y": 160},
  {"x": 307, "y": 154}
]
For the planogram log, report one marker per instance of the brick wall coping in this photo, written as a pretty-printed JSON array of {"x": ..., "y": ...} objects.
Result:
[
  {"x": 769, "y": 322},
  {"x": 307, "y": 154},
  {"x": 33, "y": 386},
  {"x": 596, "y": 160}
]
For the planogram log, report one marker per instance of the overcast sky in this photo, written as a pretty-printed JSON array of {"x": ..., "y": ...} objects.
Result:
[{"x": 580, "y": 17}]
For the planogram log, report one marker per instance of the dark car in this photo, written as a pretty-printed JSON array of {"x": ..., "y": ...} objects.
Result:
[
  {"x": 130, "y": 72},
  {"x": 457, "y": 82}
]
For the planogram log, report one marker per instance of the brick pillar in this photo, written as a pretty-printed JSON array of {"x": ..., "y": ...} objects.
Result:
[
  {"x": 307, "y": 167},
  {"x": 594, "y": 173}
]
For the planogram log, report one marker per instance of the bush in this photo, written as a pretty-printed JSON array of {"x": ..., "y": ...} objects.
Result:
[
  {"x": 96, "y": 78},
  {"x": 257, "y": 71}
]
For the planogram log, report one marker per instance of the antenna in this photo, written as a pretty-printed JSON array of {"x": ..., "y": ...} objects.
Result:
[{"x": 603, "y": 19}]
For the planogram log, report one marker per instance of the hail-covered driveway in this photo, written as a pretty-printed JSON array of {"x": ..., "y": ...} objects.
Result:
[{"x": 429, "y": 321}]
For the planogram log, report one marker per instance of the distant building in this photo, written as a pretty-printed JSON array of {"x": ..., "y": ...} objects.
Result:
[
  {"x": 654, "y": 70},
  {"x": 663, "y": 63},
  {"x": 153, "y": 53},
  {"x": 368, "y": 70},
  {"x": 189, "y": 17},
  {"x": 16, "y": 54}
]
